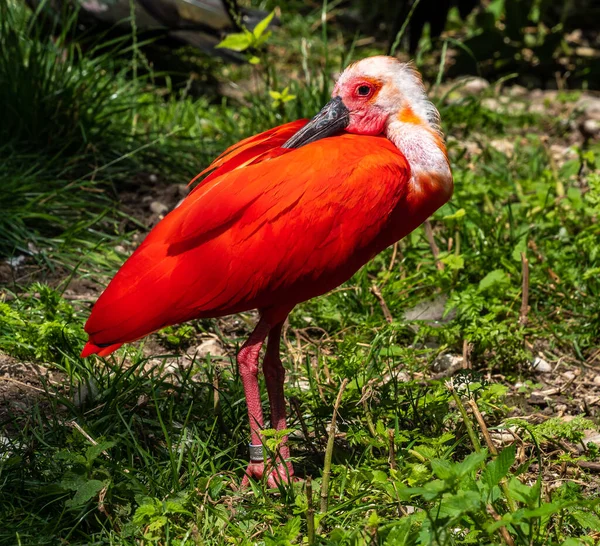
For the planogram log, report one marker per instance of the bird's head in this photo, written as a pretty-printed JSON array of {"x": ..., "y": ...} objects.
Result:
[
  {"x": 383, "y": 96},
  {"x": 380, "y": 90},
  {"x": 368, "y": 97}
]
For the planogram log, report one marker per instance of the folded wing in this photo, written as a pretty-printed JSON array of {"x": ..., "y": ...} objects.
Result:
[{"x": 268, "y": 228}]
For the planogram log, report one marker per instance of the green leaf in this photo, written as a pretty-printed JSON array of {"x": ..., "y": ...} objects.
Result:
[
  {"x": 92, "y": 452},
  {"x": 470, "y": 463},
  {"x": 458, "y": 214},
  {"x": 157, "y": 523},
  {"x": 521, "y": 246},
  {"x": 432, "y": 489},
  {"x": 262, "y": 25},
  {"x": 499, "y": 467},
  {"x": 574, "y": 542},
  {"x": 463, "y": 501},
  {"x": 86, "y": 492},
  {"x": 292, "y": 528},
  {"x": 587, "y": 520},
  {"x": 143, "y": 513},
  {"x": 442, "y": 468},
  {"x": 523, "y": 493},
  {"x": 239, "y": 41},
  {"x": 497, "y": 276},
  {"x": 379, "y": 476},
  {"x": 173, "y": 507},
  {"x": 454, "y": 262}
]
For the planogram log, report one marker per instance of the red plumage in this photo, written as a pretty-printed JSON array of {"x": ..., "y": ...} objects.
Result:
[
  {"x": 282, "y": 217},
  {"x": 268, "y": 228}
]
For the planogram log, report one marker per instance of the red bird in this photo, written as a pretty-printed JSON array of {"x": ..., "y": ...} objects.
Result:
[{"x": 285, "y": 216}]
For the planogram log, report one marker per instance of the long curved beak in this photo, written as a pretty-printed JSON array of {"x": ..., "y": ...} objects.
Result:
[{"x": 333, "y": 118}]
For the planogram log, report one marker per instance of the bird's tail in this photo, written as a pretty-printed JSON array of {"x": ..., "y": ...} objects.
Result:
[{"x": 93, "y": 349}]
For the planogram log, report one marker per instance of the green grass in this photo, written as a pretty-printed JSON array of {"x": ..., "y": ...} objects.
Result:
[{"x": 151, "y": 450}]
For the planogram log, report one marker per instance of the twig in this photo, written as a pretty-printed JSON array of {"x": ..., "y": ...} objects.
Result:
[
  {"x": 394, "y": 253},
  {"x": 329, "y": 451},
  {"x": 588, "y": 465},
  {"x": 386, "y": 310},
  {"x": 393, "y": 464},
  {"x": 21, "y": 384},
  {"x": 434, "y": 248},
  {"x": 310, "y": 512},
  {"x": 483, "y": 427},
  {"x": 466, "y": 353},
  {"x": 488, "y": 440},
  {"x": 503, "y": 531},
  {"x": 77, "y": 426},
  {"x": 525, "y": 290}
]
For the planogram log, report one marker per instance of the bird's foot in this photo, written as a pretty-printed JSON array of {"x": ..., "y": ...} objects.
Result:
[{"x": 280, "y": 473}]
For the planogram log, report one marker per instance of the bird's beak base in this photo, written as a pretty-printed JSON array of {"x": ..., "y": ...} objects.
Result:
[{"x": 334, "y": 117}]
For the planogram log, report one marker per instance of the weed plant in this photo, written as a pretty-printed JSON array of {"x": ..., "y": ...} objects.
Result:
[{"x": 137, "y": 450}]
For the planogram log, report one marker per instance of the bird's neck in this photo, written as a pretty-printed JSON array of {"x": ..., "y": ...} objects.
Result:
[{"x": 425, "y": 152}]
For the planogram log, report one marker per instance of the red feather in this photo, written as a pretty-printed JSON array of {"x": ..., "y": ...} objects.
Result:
[{"x": 268, "y": 228}]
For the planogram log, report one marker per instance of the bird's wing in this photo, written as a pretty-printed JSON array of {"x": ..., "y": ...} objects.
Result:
[
  {"x": 273, "y": 233},
  {"x": 250, "y": 150}
]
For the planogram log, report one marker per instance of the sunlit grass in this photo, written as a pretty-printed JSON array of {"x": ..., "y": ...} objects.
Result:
[{"x": 139, "y": 449}]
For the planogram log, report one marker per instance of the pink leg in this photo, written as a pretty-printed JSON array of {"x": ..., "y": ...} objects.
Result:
[
  {"x": 275, "y": 377},
  {"x": 248, "y": 365}
]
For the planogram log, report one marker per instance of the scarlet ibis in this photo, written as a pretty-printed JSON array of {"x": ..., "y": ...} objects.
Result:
[{"x": 284, "y": 216}]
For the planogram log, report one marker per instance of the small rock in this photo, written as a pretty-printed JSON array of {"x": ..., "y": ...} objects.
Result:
[
  {"x": 517, "y": 91},
  {"x": 428, "y": 311},
  {"x": 304, "y": 385},
  {"x": 446, "y": 361},
  {"x": 540, "y": 365},
  {"x": 474, "y": 86},
  {"x": 591, "y": 436},
  {"x": 210, "y": 347},
  {"x": 560, "y": 154},
  {"x": 16, "y": 261},
  {"x": 585, "y": 51},
  {"x": 183, "y": 189},
  {"x": 492, "y": 104},
  {"x": 514, "y": 108},
  {"x": 502, "y": 438},
  {"x": 472, "y": 148},
  {"x": 597, "y": 380},
  {"x": 590, "y": 127},
  {"x": 158, "y": 208},
  {"x": 503, "y": 146},
  {"x": 153, "y": 178},
  {"x": 589, "y": 106},
  {"x": 538, "y": 108},
  {"x": 561, "y": 408},
  {"x": 569, "y": 376}
]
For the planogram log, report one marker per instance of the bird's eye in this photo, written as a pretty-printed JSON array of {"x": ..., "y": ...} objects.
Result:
[{"x": 363, "y": 90}]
